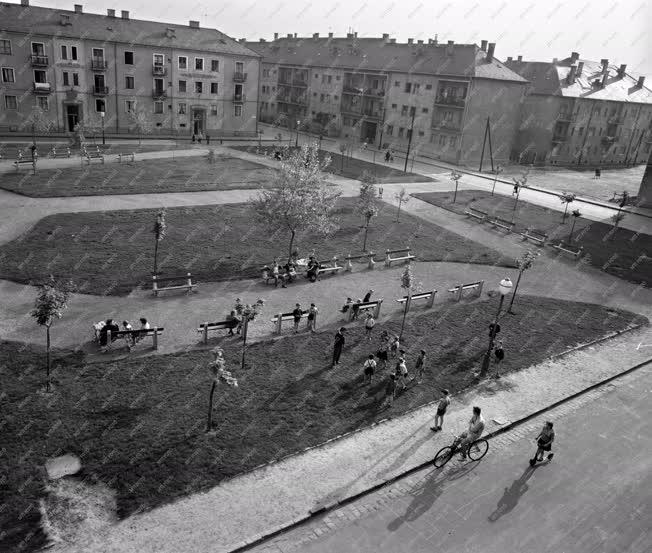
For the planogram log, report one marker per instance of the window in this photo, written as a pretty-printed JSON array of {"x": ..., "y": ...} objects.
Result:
[
  {"x": 237, "y": 111},
  {"x": 442, "y": 140},
  {"x": 314, "y": 95},
  {"x": 401, "y": 130},
  {"x": 452, "y": 141},
  {"x": 330, "y": 79},
  {"x": 421, "y": 133},
  {"x": 182, "y": 108},
  {"x": 43, "y": 103},
  {"x": 213, "y": 109},
  {"x": 38, "y": 49},
  {"x": 581, "y": 131},
  {"x": 199, "y": 87},
  {"x": 265, "y": 72},
  {"x": 199, "y": 64},
  {"x": 408, "y": 87},
  {"x": 397, "y": 83},
  {"x": 183, "y": 62},
  {"x": 130, "y": 82},
  {"x": 64, "y": 52},
  {"x": 158, "y": 107},
  {"x": 40, "y": 76},
  {"x": 5, "y": 47},
  {"x": 100, "y": 106},
  {"x": 182, "y": 86},
  {"x": 321, "y": 98},
  {"x": 424, "y": 110},
  {"x": 239, "y": 67},
  {"x": 213, "y": 88},
  {"x": 215, "y": 65},
  {"x": 10, "y": 102},
  {"x": 130, "y": 105},
  {"x": 159, "y": 60},
  {"x": 404, "y": 110},
  {"x": 394, "y": 106},
  {"x": 73, "y": 53},
  {"x": 98, "y": 54},
  {"x": 75, "y": 79},
  {"x": 129, "y": 58},
  {"x": 8, "y": 75},
  {"x": 337, "y": 77},
  {"x": 416, "y": 88},
  {"x": 390, "y": 130},
  {"x": 316, "y": 75},
  {"x": 413, "y": 111},
  {"x": 66, "y": 80},
  {"x": 428, "y": 86},
  {"x": 336, "y": 97}
]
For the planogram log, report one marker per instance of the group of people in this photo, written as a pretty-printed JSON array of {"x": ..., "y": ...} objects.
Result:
[
  {"x": 354, "y": 306},
  {"x": 311, "y": 317},
  {"x": 287, "y": 273},
  {"x": 103, "y": 328}
]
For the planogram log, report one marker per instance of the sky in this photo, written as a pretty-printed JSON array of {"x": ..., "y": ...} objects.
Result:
[{"x": 618, "y": 30}]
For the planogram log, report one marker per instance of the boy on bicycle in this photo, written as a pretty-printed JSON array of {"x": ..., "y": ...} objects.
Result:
[{"x": 476, "y": 428}]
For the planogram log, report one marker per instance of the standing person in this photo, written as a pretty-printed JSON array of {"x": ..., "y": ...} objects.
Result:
[
  {"x": 380, "y": 192},
  {"x": 499, "y": 352},
  {"x": 387, "y": 156},
  {"x": 544, "y": 442},
  {"x": 391, "y": 156},
  {"x": 297, "y": 313},
  {"x": 129, "y": 338},
  {"x": 369, "y": 325},
  {"x": 390, "y": 390},
  {"x": 369, "y": 368},
  {"x": 420, "y": 366},
  {"x": 338, "y": 345},
  {"x": 383, "y": 349},
  {"x": 442, "y": 406},
  {"x": 347, "y": 305},
  {"x": 239, "y": 309},
  {"x": 312, "y": 316},
  {"x": 208, "y": 140},
  {"x": 233, "y": 321},
  {"x": 394, "y": 346},
  {"x": 367, "y": 296},
  {"x": 515, "y": 191},
  {"x": 402, "y": 372},
  {"x": 355, "y": 310}
]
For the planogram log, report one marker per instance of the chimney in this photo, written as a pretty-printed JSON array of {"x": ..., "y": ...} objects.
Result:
[
  {"x": 640, "y": 82},
  {"x": 275, "y": 36},
  {"x": 570, "y": 78},
  {"x": 289, "y": 35},
  {"x": 621, "y": 70},
  {"x": 574, "y": 57},
  {"x": 580, "y": 66},
  {"x": 605, "y": 63},
  {"x": 410, "y": 41},
  {"x": 385, "y": 36},
  {"x": 392, "y": 41},
  {"x": 605, "y": 75},
  {"x": 170, "y": 32},
  {"x": 429, "y": 41},
  {"x": 79, "y": 8},
  {"x": 295, "y": 35},
  {"x": 261, "y": 40},
  {"x": 449, "y": 48},
  {"x": 315, "y": 35},
  {"x": 355, "y": 35},
  {"x": 193, "y": 24},
  {"x": 124, "y": 14},
  {"x": 554, "y": 60},
  {"x": 242, "y": 40},
  {"x": 330, "y": 35},
  {"x": 519, "y": 58},
  {"x": 509, "y": 58},
  {"x": 483, "y": 45},
  {"x": 451, "y": 42},
  {"x": 419, "y": 41},
  {"x": 110, "y": 13},
  {"x": 349, "y": 35},
  {"x": 490, "y": 51},
  {"x": 24, "y": 3}
]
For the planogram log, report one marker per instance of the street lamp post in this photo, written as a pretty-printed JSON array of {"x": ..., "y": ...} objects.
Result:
[
  {"x": 505, "y": 287},
  {"x": 297, "y": 142},
  {"x": 102, "y": 117},
  {"x": 249, "y": 313}
]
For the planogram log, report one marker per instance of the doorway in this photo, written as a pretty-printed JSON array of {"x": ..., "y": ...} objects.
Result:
[
  {"x": 198, "y": 121},
  {"x": 369, "y": 130},
  {"x": 72, "y": 115}
]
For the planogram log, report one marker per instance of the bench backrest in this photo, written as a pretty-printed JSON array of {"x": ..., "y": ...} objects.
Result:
[
  {"x": 366, "y": 304},
  {"x": 407, "y": 250},
  {"x": 471, "y": 284},
  {"x": 478, "y": 211},
  {"x": 501, "y": 220},
  {"x": 217, "y": 324},
  {"x": 171, "y": 278},
  {"x": 138, "y": 331},
  {"x": 363, "y": 256}
]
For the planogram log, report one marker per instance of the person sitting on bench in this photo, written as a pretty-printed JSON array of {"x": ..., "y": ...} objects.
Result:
[
  {"x": 233, "y": 320},
  {"x": 144, "y": 325},
  {"x": 355, "y": 308},
  {"x": 313, "y": 269},
  {"x": 109, "y": 326},
  {"x": 346, "y": 306},
  {"x": 129, "y": 338}
]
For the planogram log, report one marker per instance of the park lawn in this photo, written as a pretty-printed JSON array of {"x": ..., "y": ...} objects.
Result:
[
  {"x": 619, "y": 254},
  {"x": 111, "y": 253},
  {"x": 183, "y": 174},
  {"x": 348, "y": 167},
  {"x": 138, "y": 425}
]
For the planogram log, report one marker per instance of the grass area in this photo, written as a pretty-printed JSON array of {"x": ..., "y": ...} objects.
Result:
[
  {"x": 183, "y": 174},
  {"x": 138, "y": 425},
  {"x": 348, "y": 167},
  {"x": 9, "y": 150},
  {"x": 619, "y": 254},
  {"x": 112, "y": 252}
]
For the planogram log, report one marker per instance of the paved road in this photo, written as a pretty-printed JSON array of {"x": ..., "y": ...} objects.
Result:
[{"x": 595, "y": 496}]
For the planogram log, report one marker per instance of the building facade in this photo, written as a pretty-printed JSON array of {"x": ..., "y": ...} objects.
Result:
[{"x": 122, "y": 74}]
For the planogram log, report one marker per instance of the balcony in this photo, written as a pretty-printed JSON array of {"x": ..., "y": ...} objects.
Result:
[
  {"x": 39, "y": 60},
  {"x": 99, "y": 64},
  {"x": 352, "y": 110},
  {"x": 447, "y": 125},
  {"x": 99, "y": 90},
  {"x": 566, "y": 117},
  {"x": 239, "y": 77},
  {"x": 559, "y": 138},
  {"x": 300, "y": 101},
  {"x": 615, "y": 120},
  {"x": 373, "y": 113},
  {"x": 350, "y": 89},
  {"x": 159, "y": 94},
  {"x": 159, "y": 70},
  {"x": 450, "y": 101},
  {"x": 608, "y": 140},
  {"x": 42, "y": 88},
  {"x": 239, "y": 98},
  {"x": 299, "y": 82}
]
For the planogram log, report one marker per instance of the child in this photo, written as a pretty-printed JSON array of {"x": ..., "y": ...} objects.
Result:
[
  {"x": 382, "y": 352},
  {"x": 346, "y": 306},
  {"x": 297, "y": 313},
  {"x": 390, "y": 390},
  {"x": 420, "y": 366},
  {"x": 402, "y": 372},
  {"x": 394, "y": 346},
  {"x": 369, "y": 325},
  {"x": 441, "y": 411},
  {"x": 312, "y": 316},
  {"x": 544, "y": 442},
  {"x": 369, "y": 368}
]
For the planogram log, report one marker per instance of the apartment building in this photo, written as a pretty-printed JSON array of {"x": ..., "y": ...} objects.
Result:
[
  {"x": 385, "y": 93},
  {"x": 578, "y": 111},
  {"x": 114, "y": 71}
]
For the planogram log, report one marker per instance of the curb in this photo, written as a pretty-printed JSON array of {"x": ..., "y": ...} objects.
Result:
[{"x": 320, "y": 510}]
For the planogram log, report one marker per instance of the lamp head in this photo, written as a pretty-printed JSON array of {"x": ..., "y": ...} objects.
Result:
[{"x": 505, "y": 286}]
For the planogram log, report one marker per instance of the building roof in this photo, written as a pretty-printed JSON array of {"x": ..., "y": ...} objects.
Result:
[
  {"x": 551, "y": 79},
  {"x": 378, "y": 54},
  {"x": 47, "y": 21}
]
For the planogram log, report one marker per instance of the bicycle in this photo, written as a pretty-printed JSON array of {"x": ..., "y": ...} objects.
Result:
[{"x": 476, "y": 451}]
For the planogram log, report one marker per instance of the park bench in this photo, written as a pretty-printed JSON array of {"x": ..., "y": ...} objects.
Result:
[
  {"x": 205, "y": 328},
  {"x": 188, "y": 285},
  {"x": 460, "y": 288},
  {"x": 278, "y": 320},
  {"x": 407, "y": 256},
  {"x": 125, "y": 156},
  {"x": 60, "y": 154},
  {"x": 534, "y": 235},
  {"x": 429, "y": 296},
  {"x": 477, "y": 214},
  {"x": 132, "y": 337},
  {"x": 324, "y": 268},
  {"x": 370, "y": 256},
  {"x": 502, "y": 223},
  {"x": 20, "y": 161},
  {"x": 365, "y": 306},
  {"x": 566, "y": 249},
  {"x": 90, "y": 156}
]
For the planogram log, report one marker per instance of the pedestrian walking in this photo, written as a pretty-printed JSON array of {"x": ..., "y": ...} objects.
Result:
[
  {"x": 394, "y": 346},
  {"x": 402, "y": 372},
  {"x": 338, "y": 345},
  {"x": 544, "y": 443},
  {"x": 420, "y": 366},
  {"x": 383, "y": 350},
  {"x": 499, "y": 352},
  {"x": 390, "y": 390},
  {"x": 312, "y": 316},
  {"x": 367, "y": 296},
  {"x": 208, "y": 140},
  {"x": 380, "y": 192},
  {"x": 515, "y": 191},
  {"x": 387, "y": 156},
  {"x": 369, "y": 324},
  {"x": 391, "y": 156},
  {"x": 442, "y": 406},
  {"x": 239, "y": 309},
  {"x": 369, "y": 368},
  {"x": 297, "y": 313}
]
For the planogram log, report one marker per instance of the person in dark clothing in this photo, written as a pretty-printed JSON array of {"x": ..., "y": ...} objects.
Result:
[
  {"x": 338, "y": 345},
  {"x": 233, "y": 320},
  {"x": 297, "y": 313},
  {"x": 387, "y": 156},
  {"x": 208, "y": 140},
  {"x": 104, "y": 333},
  {"x": 355, "y": 308},
  {"x": 313, "y": 269},
  {"x": 367, "y": 296}
]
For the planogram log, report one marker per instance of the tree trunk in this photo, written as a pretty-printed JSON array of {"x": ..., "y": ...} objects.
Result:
[
  {"x": 494, "y": 186},
  {"x": 366, "y": 230},
  {"x": 398, "y": 213},
  {"x": 156, "y": 257},
  {"x": 342, "y": 154},
  {"x": 563, "y": 218},
  {"x": 209, "y": 424},
  {"x": 511, "y": 302},
  {"x": 244, "y": 340},
  {"x": 405, "y": 310},
  {"x": 570, "y": 236},
  {"x": 47, "y": 347},
  {"x": 291, "y": 244},
  {"x": 455, "y": 195}
]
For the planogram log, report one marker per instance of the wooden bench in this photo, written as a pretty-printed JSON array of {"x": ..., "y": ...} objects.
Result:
[
  {"x": 407, "y": 256},
  {"x": 565, "y": 249},
  {"x": 126, "y": 155},
  {"x": 90, "y": 156},
  {"x": 502, "y": 223},
  {"x": 205, "y": 328},
  {"x": 278, "y": 320},
  {"x": 477, "y": 214},
  {"x": 370, "y": 264},
  {"x": 20, "y": 161},
  {"x": 334, "y": 269},
  {"x": 460, "y": 288},
  {"x": 365, "y": 306},
  {"x": 534, "y": 235},
  {"x": 132, "y": 337},
  {"x": 429, "y": 296},
  {"x": 189, "y": 286},
  {"x": 56, "y": 155}
]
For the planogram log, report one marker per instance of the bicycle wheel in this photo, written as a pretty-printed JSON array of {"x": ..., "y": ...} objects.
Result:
[
  {"x": 443, "y": 456},
  {"x": 478, "y": 449}
]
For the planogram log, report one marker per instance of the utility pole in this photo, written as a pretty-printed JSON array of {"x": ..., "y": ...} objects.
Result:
[
  {"x": 586, "y": 135},
  {"x": 407, "y": 155},
  {"x": 484, "y": 141}
]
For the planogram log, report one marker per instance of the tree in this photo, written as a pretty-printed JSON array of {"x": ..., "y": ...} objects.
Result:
[
  {"x": 367, "y": 205},
  {"x": 220, "y": 374},
  {"x": 402, "y": 197},
  {"x": 159, "y": 230},
  {"x": 140, "y": 121},
  {"x": 39, "y": 122},
  {"x": 524, "y": 263},
  {"x": 407, "y": 283},
  {"x": 566, "y": 198},
  {"x": 248, "y": 312},
  {"x": 49, "y": 305},
  {"x": 456, "y": 177},
  {"x": 342, "y": 147},
  {"x": 300, "y": 198},
  {"x": 576, "y": 213},
  {"x": 616, "y": 219}
]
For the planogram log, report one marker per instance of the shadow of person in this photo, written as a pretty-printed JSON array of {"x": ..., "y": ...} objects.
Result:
[
  {"x": 512, "y": 495},
  {"x": 421, "y": 503}
]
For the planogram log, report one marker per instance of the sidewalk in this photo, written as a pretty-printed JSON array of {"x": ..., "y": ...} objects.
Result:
[{"x": 265, "y": 500}]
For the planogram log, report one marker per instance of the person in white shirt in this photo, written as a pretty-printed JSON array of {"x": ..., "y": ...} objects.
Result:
[
  {"x": 369, "y": 368},
  {"x": 476, "y": 428}
]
